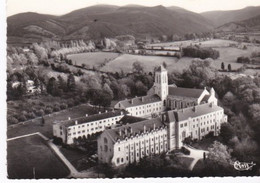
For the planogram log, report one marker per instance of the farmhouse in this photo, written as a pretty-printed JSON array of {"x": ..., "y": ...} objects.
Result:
[
  {"x": 163, "y": 96},
  {"x": 85, "y": 126},
  {"x": 129, "y": 143}
]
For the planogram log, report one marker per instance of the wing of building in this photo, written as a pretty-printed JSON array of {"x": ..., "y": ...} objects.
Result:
[
  {"x": 71, "y": 129},
  {"x": 129, "y": 143}
]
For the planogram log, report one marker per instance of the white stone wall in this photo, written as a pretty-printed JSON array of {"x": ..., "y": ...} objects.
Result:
[
  {"x": 146, "y": 110},
  {"x": 90, "y": 128},
  {"x": 135, "y": 148}
]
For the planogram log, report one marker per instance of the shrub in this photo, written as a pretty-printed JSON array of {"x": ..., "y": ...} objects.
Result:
[
  {"x": 40, "y": 112},
  {"x": 63, "y": 106},
  {"x": 198, "y": 52},
  {"x": 70, "y": 102},
  {"x": 243, "y": 59},
  {"x": 22, "y": 118},
  {"x": 48, "y": 110},
  {"x": 30, "y": 115},
  {"x": 12, "y": 120},
  {"x": 56, "y": 108}
]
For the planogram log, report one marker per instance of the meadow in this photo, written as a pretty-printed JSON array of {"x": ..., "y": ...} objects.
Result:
[
  {"x": 28, "y": 153},
  {"x": 228, "y": 55},
  {"x": 91, "y": 59}
]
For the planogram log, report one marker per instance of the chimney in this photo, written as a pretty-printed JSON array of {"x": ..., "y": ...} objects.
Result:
[
  {"x": 132, "y": 101},
  {"x": 68, "y": 118},
  {"x": 131, "y": 130},
  {"x": 154, "y": 126},
  {"x": 142, "y": 99},
  {"x": 76, "y": 122},
  {"x": 194, "y": 108},
  {"x": 99, "y": 112},
  {"x": 120, "y": 132},
  {"x": 106, "y": 111},
  {"x": 125, "y": 131},
  {"x": 144, "y": 128},
  {"x": 86, "y": 115}
]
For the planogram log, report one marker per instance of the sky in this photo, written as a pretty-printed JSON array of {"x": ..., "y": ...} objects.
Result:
[{"x": 60, "y": 7}]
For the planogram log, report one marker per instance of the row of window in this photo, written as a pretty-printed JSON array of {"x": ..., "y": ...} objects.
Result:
[
  {"x": 142, "y": 153},
  {"x": 139, "y": 108},
  {"x": 91, "y": 124}
]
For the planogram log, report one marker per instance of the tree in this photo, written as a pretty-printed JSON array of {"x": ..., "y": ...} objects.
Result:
[
  {"x": 52, "y": 87},
  {"x": 219, "y": 153},
  {"x": 222, "y": 66},
  {"x": 229, "y": 68},
  {"x": 137, "y": 67},
  {"x": 71, "y": 84},
  {"x": 141, "y": 89},
  {"x": 108, "y": 90},
  {"x": 226, "y": 132}
]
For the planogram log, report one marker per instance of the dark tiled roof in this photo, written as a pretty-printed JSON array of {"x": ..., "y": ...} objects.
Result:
[
  {"x": 130, "y": 119},
  {"x": 133, "y": 129},
  {"x": 205, "y": 98},
  {"x": 184, "y": 114},
  {"x": 140, "y": 101},
  {"x": 160, "y": 69},
  {"x": 91, "y": 118},
  {"x": 185, "y": 92}
]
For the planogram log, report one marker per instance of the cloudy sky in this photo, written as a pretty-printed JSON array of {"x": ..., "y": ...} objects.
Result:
[{"x": 59, "y": 7}]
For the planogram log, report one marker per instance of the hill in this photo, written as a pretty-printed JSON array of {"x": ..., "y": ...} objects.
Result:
[
  {"x": 100, "y": 21},
  {"x": 219, "y": 18},
  {"x": 241, "y": 26}
]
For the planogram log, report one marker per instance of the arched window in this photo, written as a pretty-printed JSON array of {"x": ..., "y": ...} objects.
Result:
[
  {"x": 164, "y": 103},
  {"x": 105, "y": 140},
  {"x": 106, "y": 148}
]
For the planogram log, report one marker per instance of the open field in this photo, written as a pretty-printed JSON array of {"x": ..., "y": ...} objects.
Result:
[
  {"x": 91, "y": 59},
  {"x": 35, "y": 126},
  {"x": 124, "y": 62},
  {"x": 27, "y": 153}
]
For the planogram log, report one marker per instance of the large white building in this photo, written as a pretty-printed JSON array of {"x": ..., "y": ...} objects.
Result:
[
  {"x": 71, "y": 129},
  {"x": 163, "y": 96},
  {"x": 129, "y": 143}
]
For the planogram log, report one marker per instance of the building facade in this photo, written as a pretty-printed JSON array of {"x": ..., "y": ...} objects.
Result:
[
  {"x": 129, "y": 143},
  {"x": 84, "y": 127}
]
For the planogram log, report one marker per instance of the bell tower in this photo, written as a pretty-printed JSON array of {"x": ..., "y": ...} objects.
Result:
[{"x": 161, "y": 83}]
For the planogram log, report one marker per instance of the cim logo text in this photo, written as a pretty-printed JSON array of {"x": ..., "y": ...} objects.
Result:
[{"x": 243, "y": 166}]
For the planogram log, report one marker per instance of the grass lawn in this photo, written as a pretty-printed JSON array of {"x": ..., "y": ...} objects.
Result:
[
  {"x": 92, "y": 58},
  {"x": 31, "y": 127},
  {"x": 31, "y": 152},
  {"x": 79, "y": 159}
]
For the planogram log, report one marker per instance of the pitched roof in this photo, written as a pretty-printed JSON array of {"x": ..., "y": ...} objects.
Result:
[
  {"x": 130, "y": 119},
  {"x": 133, "y": 129},
  {"x": 140, "y": 100},
  {"x": 192, "y": 112},
  {"x": 185, "y": 92},
  {"x": 160, "y": 69},
  {"x": 94, "y": 117},
  {"x": 205, "y": 98}
]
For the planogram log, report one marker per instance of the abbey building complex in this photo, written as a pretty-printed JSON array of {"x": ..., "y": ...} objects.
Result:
[{"x": 167, "y": 115}]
